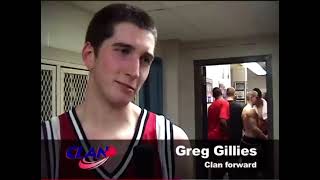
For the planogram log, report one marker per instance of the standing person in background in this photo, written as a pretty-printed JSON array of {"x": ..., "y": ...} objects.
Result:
[
  {"x": 235, "y": 127},
  {"x": 262, "y": 110},
  {"x": 253, "y": 137},
  {"x": 235, "y": 121},
  {"x": 218, "y": 115}
]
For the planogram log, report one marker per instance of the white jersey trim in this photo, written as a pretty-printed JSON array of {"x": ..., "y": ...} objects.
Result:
[{"x": 164, "y": 145}]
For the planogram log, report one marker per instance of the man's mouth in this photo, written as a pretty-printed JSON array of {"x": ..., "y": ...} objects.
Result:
[{"x": 126, "y": 85}]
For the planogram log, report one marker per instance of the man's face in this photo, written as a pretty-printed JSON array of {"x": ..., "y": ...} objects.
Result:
[
  {"x": 123, "y": 63},
  {"x": 254, "y": 98}
]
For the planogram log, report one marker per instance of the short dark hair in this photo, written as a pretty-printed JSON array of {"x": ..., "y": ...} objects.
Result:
[
  {"x": 216, "y": 92},
  {"x": 258, "y": 91},
  {"x": 102, "y": 24}
]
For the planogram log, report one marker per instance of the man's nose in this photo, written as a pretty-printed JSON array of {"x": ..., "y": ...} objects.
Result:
[{"x": 133, "y": 67}]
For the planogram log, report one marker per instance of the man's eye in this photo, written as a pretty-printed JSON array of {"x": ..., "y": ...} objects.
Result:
[
  {"x": 124, "y": 51},
  {"x": 147, "y": 60}
]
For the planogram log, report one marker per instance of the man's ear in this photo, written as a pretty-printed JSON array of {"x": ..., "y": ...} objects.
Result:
[{"x": 88, "y": 56}]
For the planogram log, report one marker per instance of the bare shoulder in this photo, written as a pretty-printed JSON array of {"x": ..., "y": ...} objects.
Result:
[
  {"x": 248, "y": 110},
  {"x": 244, "y": 111},
  {"x": 251, "y": 112},
  {"x": 179, "y": 133}
]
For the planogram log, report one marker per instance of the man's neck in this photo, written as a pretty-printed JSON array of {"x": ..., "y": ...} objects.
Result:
[
  {"x": 249, "y": 104},
  {"x": 230, "y": 98},
  {"x": 102, "y": 115},
  {"x": 220, "y": 97},
  {"x": 96, "y": 114}
]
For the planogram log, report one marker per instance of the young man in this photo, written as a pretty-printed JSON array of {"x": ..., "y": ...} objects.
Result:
[
  {"x": 262, "y": 110},
  {"x": 250, "y": 118},
  {"x": 253, "y": 136},
  {"x": 118, "y": 52},
  {"x": 218, "y": 114},
  {"x": 235, "y": 128},
  {"x": 235, "y": 121}
]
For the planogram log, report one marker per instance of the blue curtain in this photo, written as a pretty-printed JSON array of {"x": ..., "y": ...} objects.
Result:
[{"x": 151, "y": 94}]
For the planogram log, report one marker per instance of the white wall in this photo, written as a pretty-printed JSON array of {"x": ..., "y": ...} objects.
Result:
[
  {"x": 62, "y": 55},
  {"x": 238, "y": 73},
  {"x": 216, "y": 72},
  {"x": 255, "y": 81},
  {"x": 169, "y": 52},
  {"x": 63, "y": 27}
]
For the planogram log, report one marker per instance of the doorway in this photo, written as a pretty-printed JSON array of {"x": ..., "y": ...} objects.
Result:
[
  {"x": 202, "y": 91},
  {"x": 200, "y": 88}
]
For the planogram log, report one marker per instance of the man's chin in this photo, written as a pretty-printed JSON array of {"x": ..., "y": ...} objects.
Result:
[{"x": 122, "y": 102}]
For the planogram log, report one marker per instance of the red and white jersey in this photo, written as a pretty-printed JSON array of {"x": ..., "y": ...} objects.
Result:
[{"x": 67, "y": 127}]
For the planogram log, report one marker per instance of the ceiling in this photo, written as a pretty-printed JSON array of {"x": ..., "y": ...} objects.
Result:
[
  {"x": 250, "y": 73},
  {"x": 203, "y": 20}
]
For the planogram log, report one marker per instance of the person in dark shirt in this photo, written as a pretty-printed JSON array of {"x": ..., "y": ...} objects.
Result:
[
  {"x": 235, "y": 121},
  {"x": 235, "y": 127}
]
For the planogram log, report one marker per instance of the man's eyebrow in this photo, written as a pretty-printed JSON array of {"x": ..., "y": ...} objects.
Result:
[{"x": 123, "y": 45}]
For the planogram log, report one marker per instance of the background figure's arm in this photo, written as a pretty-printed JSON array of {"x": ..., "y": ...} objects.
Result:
[
  {"x": 224, "y": 125},
  {"x": 224, "y": 117}
]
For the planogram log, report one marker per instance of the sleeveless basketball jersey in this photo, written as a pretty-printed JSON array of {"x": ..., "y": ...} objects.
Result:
[{"x": 153, "y": 137}]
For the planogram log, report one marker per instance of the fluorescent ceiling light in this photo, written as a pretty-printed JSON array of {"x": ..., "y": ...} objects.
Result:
[{"x": 256, "y": 68}]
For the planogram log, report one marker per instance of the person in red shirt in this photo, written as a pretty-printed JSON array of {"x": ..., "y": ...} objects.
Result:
[{"x": 218, "y": 114}]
